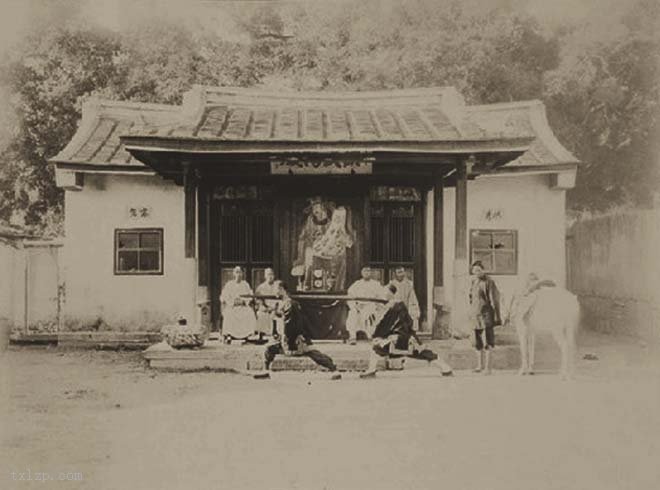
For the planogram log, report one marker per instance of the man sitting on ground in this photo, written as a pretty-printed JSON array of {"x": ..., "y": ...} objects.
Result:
[
  {"x": 395, "y": 337},
  {"x": 296, "y": 339}
]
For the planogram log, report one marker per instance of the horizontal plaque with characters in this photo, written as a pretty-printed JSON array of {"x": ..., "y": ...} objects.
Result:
[{"x": 323, "y": 166}]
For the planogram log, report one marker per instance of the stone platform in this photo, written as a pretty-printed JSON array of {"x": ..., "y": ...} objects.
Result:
[{"x": 239, "y": 358}]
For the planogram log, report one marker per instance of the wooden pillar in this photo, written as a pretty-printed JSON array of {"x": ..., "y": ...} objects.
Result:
[
  {"x": 461, "y": 275},
  {"x": 189, "y": 211},
  {"x": 438, "y": 235},
  {"x": 438, "y": 294},
  {"x": 460, "y": 242},
  {"x": 214, "y": 261},
  {"x": 203, "y": 242}
]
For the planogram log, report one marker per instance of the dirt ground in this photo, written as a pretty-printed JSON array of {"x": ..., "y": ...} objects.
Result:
[{"x": 119, "y": 425}]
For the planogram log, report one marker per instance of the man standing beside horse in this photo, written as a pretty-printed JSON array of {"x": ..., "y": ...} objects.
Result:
[{"x": 485, "y": 314}]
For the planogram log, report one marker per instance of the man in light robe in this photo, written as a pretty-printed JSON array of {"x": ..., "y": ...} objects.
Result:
[
  {"x": 238, "y": 318},
  {"x": 362, "y": 314},
  {"x": 267, "y": 307},
  {"x": 405, "y": 293}
]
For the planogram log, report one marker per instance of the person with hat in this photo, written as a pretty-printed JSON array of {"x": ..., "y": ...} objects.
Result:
[
  {"x": 238, "y": 318},
  {"x": 362, "y": 314},
  {"x": 484, "y": 311}
]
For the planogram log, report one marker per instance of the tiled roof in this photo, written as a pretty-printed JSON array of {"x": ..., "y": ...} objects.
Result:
[
  {"x": 545, "y": 149},
  {"x": 250, "y": 115},
  {"x": 97, "y": 139},
  {"x": 230, "y": 115}
]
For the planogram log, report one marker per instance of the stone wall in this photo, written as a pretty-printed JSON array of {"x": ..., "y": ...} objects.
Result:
[
  {"x": 30, "y": 289},
  {"x": 614, "y": 268}
]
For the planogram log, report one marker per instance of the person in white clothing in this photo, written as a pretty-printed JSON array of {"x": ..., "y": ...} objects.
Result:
[
  {"x": 362, "y": 314},
  {"x": 238, "y": 318},
  {"x": 266, "y": 308},
  {"x": 405, "y": 293}
]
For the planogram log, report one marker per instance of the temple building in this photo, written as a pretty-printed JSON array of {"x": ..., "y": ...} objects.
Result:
[{"x": 162, "y": 202}]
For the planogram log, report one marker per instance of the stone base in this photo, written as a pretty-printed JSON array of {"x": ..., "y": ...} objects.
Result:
[
  {"x": 216, "y": 356},
  {"x": 107, "y": 340}
]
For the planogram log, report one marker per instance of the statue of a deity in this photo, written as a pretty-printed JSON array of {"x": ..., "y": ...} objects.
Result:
[{"x": 322, "y": 244}]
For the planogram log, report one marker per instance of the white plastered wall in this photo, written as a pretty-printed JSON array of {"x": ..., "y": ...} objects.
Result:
[
  {"x": 525, "y": 203},
  {"x": 124, "y": 302}
]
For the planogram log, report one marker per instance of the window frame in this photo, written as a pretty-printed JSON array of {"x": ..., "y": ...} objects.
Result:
[
  {"x": 491, "y": 232},
  {"x": 138, "y": 231}
]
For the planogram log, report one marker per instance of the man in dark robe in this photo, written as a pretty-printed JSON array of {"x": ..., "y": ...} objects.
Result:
[
  {"x": 485, "y": 313},
  {"x": 296, "y": 340},
  {"x": 395, "y": 337}
]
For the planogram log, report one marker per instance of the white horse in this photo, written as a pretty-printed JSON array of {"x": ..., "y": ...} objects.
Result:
[{"x": 551, "y": 309}]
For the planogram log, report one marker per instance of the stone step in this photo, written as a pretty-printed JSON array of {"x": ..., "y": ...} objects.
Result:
[
  {"x": 217, "y": 356},
  {"x": 459, "y": 355}
]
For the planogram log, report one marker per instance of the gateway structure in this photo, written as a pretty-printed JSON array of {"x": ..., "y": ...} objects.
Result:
[{"x": 163, "y": 201}]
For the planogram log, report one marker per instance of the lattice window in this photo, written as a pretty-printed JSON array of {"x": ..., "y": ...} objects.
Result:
[
  {"x": 378, "y": 234},
  {"x": 139, "y": 251},
  {"x": 393, "y": 236},
  {"x": 496, "y": 249},
  {"x": 402, "y": 233},
  {"x": 246, "y": 237}
]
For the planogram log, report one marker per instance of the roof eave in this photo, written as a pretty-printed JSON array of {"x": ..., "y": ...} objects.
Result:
[{"x": 197, "y": 146}]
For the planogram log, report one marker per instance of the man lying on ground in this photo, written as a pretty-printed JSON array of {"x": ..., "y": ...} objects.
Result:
[
  {"x": 296, "y": 339},
  {"x": 394, "y": 337}
]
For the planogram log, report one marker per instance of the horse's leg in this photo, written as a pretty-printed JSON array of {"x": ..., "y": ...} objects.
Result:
[
  {"x": 560, "y": 338},
  {"x": 522, "y": 331},
  {"x": 571, "y": 348},
  {"x": 530, "y": 351}
]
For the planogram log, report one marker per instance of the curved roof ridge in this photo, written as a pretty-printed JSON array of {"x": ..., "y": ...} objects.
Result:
[
  {"x": 541, "y": 125},
  {"x": 127, "y": 104},
  {"x": 504, "y": 105},
  {"x": 95, "y": 109},
  {"x": 327, "y": 94},
  {"x": 546, "y": 142}
]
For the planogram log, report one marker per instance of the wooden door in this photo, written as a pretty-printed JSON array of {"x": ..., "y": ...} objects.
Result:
[{"x": 397, "y": 240}]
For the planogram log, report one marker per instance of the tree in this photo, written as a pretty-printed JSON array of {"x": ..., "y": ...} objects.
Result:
[
  {"x": 599, "y": 81},
  {"x": 603, "y": 103},
  {"x": 46, "y": 79}
]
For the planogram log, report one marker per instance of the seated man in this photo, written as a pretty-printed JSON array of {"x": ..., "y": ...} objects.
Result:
[
  {"x": 296, "y": 339},
  {"x": 405, "y": 292},
  {"x": 266, "y": 307},
  {"x": 362, "y": 314},
  {"x": 394, "y": 337},
  {"x": 238, "y": 318}
]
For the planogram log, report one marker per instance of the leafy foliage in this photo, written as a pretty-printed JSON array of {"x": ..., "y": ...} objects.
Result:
[{"x": 600, "y": 83}]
